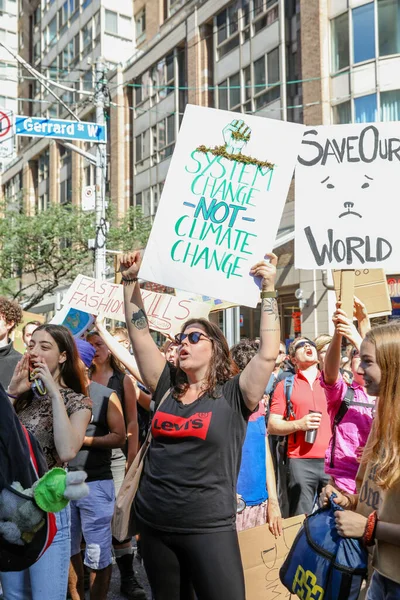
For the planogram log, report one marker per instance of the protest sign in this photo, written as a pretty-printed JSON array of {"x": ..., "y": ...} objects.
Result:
[
  {"x": 346, "y": 177},
  {"x": 371, "y": 287},
  {"x": 221, "y": 203},
  {"x": 75, "y": 320},
  {"x": 262, "y": 557},
  {"x": 165, "y": 313},
  {"x": 214, "y": 303}
]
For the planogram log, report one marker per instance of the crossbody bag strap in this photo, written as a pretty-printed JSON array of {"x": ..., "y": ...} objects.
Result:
[{"x": 146, "y": 444}]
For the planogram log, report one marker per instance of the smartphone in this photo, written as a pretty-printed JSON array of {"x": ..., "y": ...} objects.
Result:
[{"x": 37, "y": 384}]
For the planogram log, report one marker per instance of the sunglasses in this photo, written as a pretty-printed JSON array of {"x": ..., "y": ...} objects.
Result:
[
  {"x": 193, "y": 337},
  {"x": 304, "y": 343}
]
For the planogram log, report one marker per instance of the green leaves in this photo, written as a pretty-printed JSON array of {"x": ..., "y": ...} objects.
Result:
[{"x": 39, "y": 253}]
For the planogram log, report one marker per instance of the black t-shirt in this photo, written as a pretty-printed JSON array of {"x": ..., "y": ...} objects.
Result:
[{"x": 190, "y": 473}]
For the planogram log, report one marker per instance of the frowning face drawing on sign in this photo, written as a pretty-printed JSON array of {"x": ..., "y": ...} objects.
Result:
[
  {"x": 348, "y": 205},
  {"x": 346, "y": 181}
]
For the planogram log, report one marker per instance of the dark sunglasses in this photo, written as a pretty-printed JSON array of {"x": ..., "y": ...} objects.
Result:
[
  {"x": 303, "y": 343},
  {"x": 193, "y": 337}
]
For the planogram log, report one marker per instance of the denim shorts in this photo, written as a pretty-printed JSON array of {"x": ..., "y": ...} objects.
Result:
[
  {"x": 47, "y": 579},
  {"x": 382, "y": 588},
  {"x": 91, "y": 516}
]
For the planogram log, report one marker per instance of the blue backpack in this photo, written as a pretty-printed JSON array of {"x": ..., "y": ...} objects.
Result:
[{"x": 323, "y": 565}]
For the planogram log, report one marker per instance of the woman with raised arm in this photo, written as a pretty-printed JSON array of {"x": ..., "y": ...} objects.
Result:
[{"x": 186, "y": 502}]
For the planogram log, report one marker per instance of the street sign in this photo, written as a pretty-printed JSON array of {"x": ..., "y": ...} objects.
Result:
[
  {"x": 60, "y": 129},
  {"x": 89, "y": 197},
  {"x": 6, "y": 133}
]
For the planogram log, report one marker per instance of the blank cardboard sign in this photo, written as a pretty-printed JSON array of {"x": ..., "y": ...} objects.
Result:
[
  {"x": 370, "y": 286},
  {"x": 263, "y": 556}
]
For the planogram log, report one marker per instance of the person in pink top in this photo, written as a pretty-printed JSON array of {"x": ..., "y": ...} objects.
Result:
[{"x": 349, "y": 407}]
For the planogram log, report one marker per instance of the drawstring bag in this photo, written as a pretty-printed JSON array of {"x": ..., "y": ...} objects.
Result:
[
  {"x": 25, "y": 530},
  {"x": 321, "y": 563}
]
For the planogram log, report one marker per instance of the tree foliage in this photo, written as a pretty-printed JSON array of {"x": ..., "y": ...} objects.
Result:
[{"x": 42, "y": 252}]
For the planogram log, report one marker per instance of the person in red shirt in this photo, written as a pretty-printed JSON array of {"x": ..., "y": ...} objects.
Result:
[{"x": 306, "y": 476}]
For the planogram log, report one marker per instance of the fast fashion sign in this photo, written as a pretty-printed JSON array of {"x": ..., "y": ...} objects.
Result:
[
  {"x": 165, "y": 313},
  {"x": 347, "y": 179},
  {"x": 222, "y": 203}
]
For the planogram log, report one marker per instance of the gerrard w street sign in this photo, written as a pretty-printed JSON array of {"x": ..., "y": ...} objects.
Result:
[{"x": 60, "y": 128}]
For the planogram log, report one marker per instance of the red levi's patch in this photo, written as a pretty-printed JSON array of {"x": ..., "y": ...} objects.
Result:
[{"x": 167, "y": 425}]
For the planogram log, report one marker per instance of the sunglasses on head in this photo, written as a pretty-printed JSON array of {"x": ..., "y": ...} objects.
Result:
[
  {"x": 303, "y": 343},
  {"x": 193, "y": 337}
]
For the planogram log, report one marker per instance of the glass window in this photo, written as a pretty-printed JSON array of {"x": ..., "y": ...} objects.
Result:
[
  {"x": 138, "y": 90},
  {"x": 389, "y": 27},
  {"x": 340, "y": 42},
  {"x": 364, "y": 32},
  {"x": 140, "y": 23},
  {"x": 390, "y": 106},
  {"x": 222, "y": 27},
  {"x": 87, "y": 35},
  {"x": 170, "y": 67},
  {"x": 138, "y": 148},
  {"x": 234, "y": 90},
  {"x": 247, "y": 83},
  {"x": 259, "y": 75},
  {"x": 96, "y": 25},
  {"x": 223, "y": 95},
  {"x": 111, "y": 22},
  {"x": 52, "y": 32},
  {"x": 138, "y": 199},
  {"x": 366, "y": 110},
  {"x": 342, "y": 113},
  {"x": 233, "y": 10},
  {"x": 125, "y": 27},
  {"x": 87, "y": 81},
  {"x": 170, "y": 129},
  {"x": 273, "y": 66}
]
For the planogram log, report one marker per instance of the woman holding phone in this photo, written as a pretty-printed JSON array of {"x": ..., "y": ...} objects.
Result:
[
  {"x": 49, "y": 395},
  {"x": 186, "y": 501}
]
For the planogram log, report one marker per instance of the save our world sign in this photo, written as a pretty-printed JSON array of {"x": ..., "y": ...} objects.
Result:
[
  {"x": 222, "y": 203},
  {"x": 347, "y": 185}
]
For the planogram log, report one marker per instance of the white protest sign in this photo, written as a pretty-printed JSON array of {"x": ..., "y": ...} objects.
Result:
[
  {"x": 165, "y": 313},
  {"x": 347, "y": 179},
  {"x": 222, "y": 203}
]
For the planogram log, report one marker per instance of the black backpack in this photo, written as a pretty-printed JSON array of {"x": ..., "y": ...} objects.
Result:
[{"x": 21, "y": 460}]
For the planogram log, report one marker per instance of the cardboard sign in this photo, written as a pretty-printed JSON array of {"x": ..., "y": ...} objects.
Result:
[
  {"x": 165, "y": 313},
  {"x": 347, "y": 177},
  {"x": 371, "y": 288},
  {"x": 263, "y": 556},
  {"x": 221, "y": 203}
]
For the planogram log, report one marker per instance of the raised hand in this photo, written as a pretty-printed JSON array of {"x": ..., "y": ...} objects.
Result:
[
  {"x": 20, "y": 380},
  {"x": 266, "y": 271},
  {"x": 130, "y": 264},
  {"x": 236, "y": 135},
  {"x": 41, "y": 371}
]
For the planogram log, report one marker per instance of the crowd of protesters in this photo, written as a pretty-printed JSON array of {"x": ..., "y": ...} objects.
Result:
[{"x": 241, "y": 437}]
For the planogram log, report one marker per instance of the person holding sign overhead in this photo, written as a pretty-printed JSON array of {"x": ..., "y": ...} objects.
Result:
[{"x": 186, "y": 501}]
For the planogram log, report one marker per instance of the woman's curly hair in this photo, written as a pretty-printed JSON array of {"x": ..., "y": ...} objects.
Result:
[
  {"x": 10, "y": 311},
  {"x": 243, "y": 352},
  {"x": 221, "y": 367}
]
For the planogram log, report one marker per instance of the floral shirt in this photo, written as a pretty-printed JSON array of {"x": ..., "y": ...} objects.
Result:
[{"x": 38, "y": 419}]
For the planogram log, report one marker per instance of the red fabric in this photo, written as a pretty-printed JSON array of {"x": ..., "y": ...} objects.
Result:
[{"x": 304, "y": 398}]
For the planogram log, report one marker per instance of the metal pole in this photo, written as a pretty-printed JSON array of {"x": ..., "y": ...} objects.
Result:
[{"x": 101, "y": 166}]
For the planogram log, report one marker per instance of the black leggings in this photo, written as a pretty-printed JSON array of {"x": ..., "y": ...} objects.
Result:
[{"x": 180, "y": 565}]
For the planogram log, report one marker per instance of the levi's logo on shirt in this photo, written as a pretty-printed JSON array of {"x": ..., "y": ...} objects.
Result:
[{"x": 173, "y": 426}]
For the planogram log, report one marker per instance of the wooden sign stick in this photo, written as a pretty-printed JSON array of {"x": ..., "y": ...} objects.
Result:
[{"x": 347, "y": 292}]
